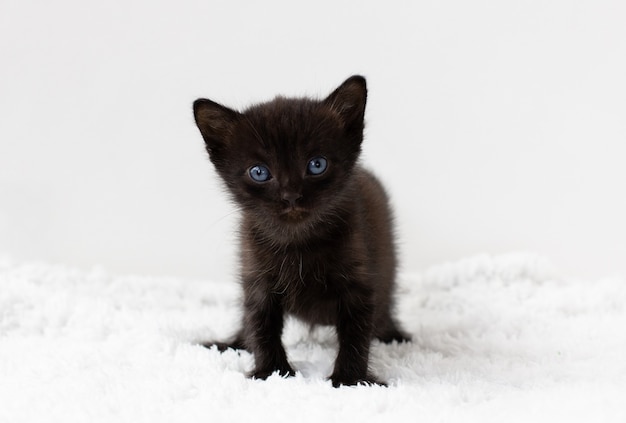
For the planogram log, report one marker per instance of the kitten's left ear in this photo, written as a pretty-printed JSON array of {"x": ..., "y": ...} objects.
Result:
[
  {"x": 215, "y": 123},
  {"x": 349, "y": 102}
]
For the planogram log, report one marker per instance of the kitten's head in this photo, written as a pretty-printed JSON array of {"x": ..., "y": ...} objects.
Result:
[{"x": 287, "y": 162}]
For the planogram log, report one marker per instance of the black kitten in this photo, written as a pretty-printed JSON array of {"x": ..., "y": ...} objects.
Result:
[{"x": 316, "y": 231}]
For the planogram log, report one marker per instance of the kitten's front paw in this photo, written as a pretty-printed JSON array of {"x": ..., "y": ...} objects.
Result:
[
  {"x": 284, "y": 370},
  {"x": 350, "y": 380}
]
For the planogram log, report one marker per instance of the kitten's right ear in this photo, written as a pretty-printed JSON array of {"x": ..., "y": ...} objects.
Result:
[
  {"x": 349, "y": 102},
  {"x": 215, "y": 122}
]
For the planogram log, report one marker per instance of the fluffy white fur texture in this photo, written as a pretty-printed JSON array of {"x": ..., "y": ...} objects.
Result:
[{"x": 501, "y": 339}]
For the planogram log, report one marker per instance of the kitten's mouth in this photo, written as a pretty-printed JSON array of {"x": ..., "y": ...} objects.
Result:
[{"x": 294, "y": 214}]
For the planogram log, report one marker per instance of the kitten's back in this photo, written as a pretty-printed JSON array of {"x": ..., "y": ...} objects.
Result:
[{"x": 378, "y": 230}]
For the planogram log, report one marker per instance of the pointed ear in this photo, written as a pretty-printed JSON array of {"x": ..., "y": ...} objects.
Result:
[
  {"x": 349, "y": 102},
  {"x": 215, "y": 122}
]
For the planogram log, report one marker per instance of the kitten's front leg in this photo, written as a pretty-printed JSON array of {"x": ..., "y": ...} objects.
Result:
[
  {"x": 263, "y": 319},
  {"x": 354, "y": 330}
]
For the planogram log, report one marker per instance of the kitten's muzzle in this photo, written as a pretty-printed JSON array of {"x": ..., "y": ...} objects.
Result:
[
  {"x": 294, "y": 214},
  {"x": 293, "y": 211}
]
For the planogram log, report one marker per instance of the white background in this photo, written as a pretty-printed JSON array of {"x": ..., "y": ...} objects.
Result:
[{"x": 497, "y": 126}]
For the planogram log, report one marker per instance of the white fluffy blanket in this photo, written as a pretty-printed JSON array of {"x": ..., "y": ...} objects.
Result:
[{"x": 499, "y": 339}]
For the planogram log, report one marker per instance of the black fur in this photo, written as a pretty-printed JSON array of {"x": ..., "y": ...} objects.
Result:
[{"x": 319, "y": 247}]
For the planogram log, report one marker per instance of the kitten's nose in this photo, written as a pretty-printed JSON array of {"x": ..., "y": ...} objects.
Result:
[{"x": 291, "y": 198}]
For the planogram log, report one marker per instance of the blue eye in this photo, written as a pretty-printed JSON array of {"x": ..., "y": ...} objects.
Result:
[
  {"x": 317, "y": 166},
  {"x": 259, "y": 173}
]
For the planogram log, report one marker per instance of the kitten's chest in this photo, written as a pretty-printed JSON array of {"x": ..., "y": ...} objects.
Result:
[
  {"x": 307, "y": 283},
  {"x": 299, "y": 270}
]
